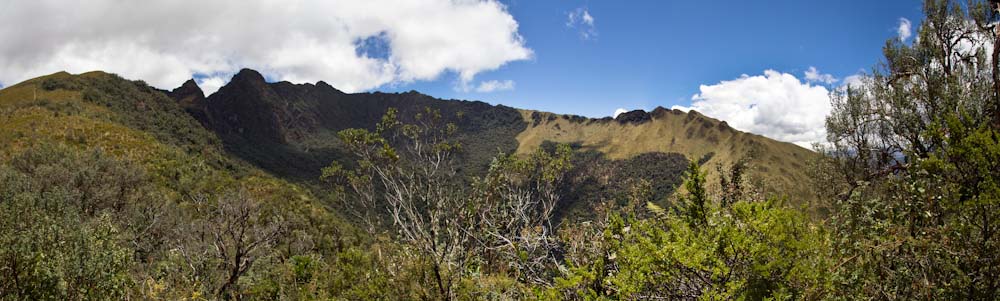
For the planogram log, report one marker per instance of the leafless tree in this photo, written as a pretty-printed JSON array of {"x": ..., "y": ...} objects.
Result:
[
  {"x": 407, "y": 175},
  {"x": 515, "y": 202},
  {"x": 241, "y": 233},
  {"x": 233, "y": 233}
]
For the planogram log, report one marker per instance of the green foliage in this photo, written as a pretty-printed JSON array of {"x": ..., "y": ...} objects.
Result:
[
  {"x": 696, "y": 202},
  {"x": 111, "y": 191},
  {"x": 514, "y": 204},
  {"x": 51, "y": 84},
  {"x": 497, "y": 230},
  {"x": 913, "y": 167},
  {"x": 751, "y": 249},
  {"x": 143, "y": 108},
  {"x": 594, "y": 179},
  {"x": 59, "y": 237}
]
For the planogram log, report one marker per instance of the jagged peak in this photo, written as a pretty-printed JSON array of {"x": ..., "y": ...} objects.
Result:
[
  {"x": 189, "y": 87},
  {"x": 248, "y": 75},
  {"x": 245, "y": 80},
  {"x": 324, "y": 85},
  {"x": 189, "y": 84},
  {"x": 255, "y": 78}
]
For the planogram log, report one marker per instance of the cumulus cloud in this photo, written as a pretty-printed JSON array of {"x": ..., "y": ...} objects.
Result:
[
  {"x": 854, "y": 80},
  {"x": 166, "y": 42},
  {"x": 495, "y": 86},
  {"x": 904, "y": 30},
  {"x": 581, "y": 20},
  {"x": 212, "y": 84},
  {"x": 813, "y": 75},
  {"x": 619, "y": 111},
  {"x": 777, "y": 105}
]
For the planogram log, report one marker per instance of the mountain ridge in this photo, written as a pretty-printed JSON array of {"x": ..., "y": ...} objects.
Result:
[
  {"x": 290, "y": 130},
  {"x": 306, "y": 117}
]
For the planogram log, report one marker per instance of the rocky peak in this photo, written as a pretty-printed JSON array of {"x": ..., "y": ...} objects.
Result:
[
  {"x": 247, "y": 107},
  {"x": 248, "y": 76},
  {"x": 187, "y": 92},
  {"x": 192, "y": 99},
  {"x": 634, "y": 117},
  {"x": 323, "y": 85}
]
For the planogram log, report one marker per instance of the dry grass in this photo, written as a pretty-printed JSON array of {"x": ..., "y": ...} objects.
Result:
[{"x": 780, "y": 166}]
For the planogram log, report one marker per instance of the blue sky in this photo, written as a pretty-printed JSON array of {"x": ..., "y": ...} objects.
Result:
[
  {"x": 744, "y": 62},
  {"x": 657, "y": 53}
]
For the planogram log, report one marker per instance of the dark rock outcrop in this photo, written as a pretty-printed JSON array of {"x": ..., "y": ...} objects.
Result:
[
  {"x": 634, "y": 117},
  {"x": 291, "y": 128},
  {"x": 192, "y": 99},
  {"x": 247, "y": 107}
]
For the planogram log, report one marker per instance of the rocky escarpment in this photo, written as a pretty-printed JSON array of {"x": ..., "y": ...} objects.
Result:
[
  {"x": 192, "y": 99},
  {"x": 291, "y": 128}
]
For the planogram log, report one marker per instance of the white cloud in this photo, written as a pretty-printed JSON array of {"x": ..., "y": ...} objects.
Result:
[
  {"x": 167, "y": 42},
  {"x": 495, "y": 86},
  {"x": 813, "y": 75},
  {"x": 854, "y": 80},
  {"x": 211, "y": 84},
  {"x": 619, "y": 111},
  {"x": 581, "y": 20},
  {"x": 587, "y": 18},
  {"x": 777, "y": 105},
  {"x": 904, "y": 30}
]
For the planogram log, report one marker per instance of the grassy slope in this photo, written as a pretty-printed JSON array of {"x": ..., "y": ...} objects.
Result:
[
  {"x": 779, "y": 165},
  {"x": 136, "y": 123}
]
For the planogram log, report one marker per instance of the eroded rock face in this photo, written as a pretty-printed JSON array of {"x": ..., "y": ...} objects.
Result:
[
  {"x": 291, "y": 129},
  {"x": 192, "y": 99},
  {"x": 248, "y": 107},
  {"x": 188, "y": 93}
]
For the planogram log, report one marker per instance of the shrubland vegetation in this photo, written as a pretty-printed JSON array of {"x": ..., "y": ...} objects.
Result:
[
  {"x": 98, "y": 202},
  {"x": 912, "y": 170},
  {"x": 109, "y": 190}
]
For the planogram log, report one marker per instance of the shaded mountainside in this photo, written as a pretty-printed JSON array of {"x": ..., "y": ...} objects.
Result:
[
  {"x": 596, "y": 180},
  {"x": 291, "y": 129}
]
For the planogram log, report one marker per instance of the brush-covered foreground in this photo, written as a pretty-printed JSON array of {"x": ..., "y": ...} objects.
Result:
[{"x": 110, "y": 189}]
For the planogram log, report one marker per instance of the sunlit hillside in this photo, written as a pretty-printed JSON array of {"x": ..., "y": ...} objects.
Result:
[{"x": 780, "y": 166}]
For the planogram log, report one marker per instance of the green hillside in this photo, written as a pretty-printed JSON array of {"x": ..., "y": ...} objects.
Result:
[
  {"x": 114, "y": 190},
  {"x": 157, "y": 179},
  {"x": 134, "y": 178}
]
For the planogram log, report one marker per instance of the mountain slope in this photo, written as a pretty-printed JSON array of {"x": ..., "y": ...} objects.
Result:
[
  {"x": 133, "y": 122},
  {"x": 290, "y": 130},
  {"x": 106, "y": 183},
  {"x": 780, "y": 165},
  {"x": 147, "y": 175}
]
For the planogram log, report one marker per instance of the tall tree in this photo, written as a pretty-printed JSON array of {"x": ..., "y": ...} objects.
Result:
[{"x": 915, "y": 152}]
